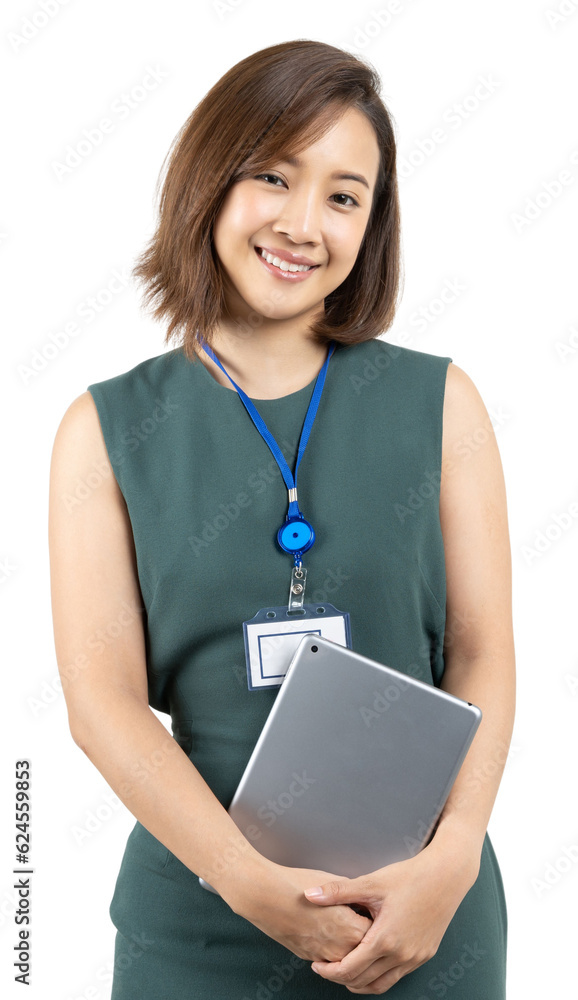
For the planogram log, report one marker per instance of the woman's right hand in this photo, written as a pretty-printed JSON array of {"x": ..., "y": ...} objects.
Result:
[{"x": 278, "y": 907}]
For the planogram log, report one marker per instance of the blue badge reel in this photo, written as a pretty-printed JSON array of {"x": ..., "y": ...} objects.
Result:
[{"x": 296, "y": 535}]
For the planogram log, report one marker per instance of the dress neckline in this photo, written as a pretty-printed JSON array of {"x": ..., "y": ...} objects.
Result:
[{"x": 231, "y": 391}]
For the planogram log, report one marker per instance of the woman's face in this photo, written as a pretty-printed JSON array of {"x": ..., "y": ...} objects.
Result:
[{"x": 299, "y": 208}]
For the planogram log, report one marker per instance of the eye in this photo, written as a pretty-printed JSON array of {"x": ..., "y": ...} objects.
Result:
[
  {"x": 352, "y": 200},
  {"x": 274, "y": 176}
]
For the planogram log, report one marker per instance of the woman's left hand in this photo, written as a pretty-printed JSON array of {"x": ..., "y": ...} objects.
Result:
[{"x": 412, "y": 903}]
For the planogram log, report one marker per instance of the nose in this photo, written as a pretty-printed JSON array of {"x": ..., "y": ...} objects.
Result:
[{"x": 300, "y": 217}]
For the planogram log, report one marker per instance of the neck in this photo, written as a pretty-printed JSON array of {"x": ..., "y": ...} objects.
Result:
[{"x": 264, "y": 364}]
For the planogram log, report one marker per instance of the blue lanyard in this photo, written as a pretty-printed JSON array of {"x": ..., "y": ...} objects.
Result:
[{"x": 296, "y": 535}]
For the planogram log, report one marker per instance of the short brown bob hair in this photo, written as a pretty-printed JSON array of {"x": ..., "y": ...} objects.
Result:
[{"x": 273, "y": 103}]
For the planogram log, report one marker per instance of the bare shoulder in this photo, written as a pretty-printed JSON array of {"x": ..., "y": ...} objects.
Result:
[
  {"x": 472, "y": 490},
  {"x": 79, "y": 434},
  {"x": 469, "y": 440},
  {"x": 463, "y": 405},
  {"x": 79, "y": 453}
]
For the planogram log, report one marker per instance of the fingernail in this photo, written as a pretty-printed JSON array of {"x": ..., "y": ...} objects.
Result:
[{"x": 315, "y": 891}]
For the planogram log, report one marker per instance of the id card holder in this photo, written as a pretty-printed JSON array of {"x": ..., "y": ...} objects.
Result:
[{"x": 272, "y": 637}]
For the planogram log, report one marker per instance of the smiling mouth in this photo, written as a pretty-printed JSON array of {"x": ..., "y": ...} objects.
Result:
[{"x": 285, "y": 265}]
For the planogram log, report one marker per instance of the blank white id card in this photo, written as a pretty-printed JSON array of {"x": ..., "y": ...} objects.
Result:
[{"x": 272, "y": 637}]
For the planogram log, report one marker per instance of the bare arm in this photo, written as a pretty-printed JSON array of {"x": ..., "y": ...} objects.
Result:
[
  {"x": 479, "y": 644},
  {"x": 93, "y": 577}
]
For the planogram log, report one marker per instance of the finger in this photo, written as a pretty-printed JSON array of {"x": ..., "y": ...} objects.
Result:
[
  {"x": 344, "y": 890},
  {"x": 377, "y": 978},
  {"x": 330, "y": 892},
  {"x": 383, "y": 983},
  {"x": 336, "y": 919},
  {"x": 354, "y": 966}
]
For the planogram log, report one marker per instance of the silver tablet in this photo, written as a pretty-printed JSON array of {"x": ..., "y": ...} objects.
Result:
[{"x": 353, "y": 766}]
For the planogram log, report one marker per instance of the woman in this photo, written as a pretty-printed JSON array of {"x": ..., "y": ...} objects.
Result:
[{"x": 276, "y": 258}]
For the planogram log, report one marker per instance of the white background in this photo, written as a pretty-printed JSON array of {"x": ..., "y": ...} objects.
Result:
[{"x": 467, "y": 216}]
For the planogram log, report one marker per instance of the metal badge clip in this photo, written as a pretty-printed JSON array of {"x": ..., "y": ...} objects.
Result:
[{"x": 297, "y": 588}]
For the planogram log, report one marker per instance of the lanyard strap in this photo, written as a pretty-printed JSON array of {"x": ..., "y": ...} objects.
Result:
[{"x": 290, "y": 480}]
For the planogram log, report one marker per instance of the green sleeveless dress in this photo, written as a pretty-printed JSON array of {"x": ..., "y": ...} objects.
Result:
[{"x": 205, "y": 498}]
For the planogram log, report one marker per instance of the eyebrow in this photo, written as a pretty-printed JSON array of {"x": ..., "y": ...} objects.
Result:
[{"x": 337, "y": 175}]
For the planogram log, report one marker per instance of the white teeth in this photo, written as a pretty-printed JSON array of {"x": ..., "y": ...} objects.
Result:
[{"x": 283, "y": 265}]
